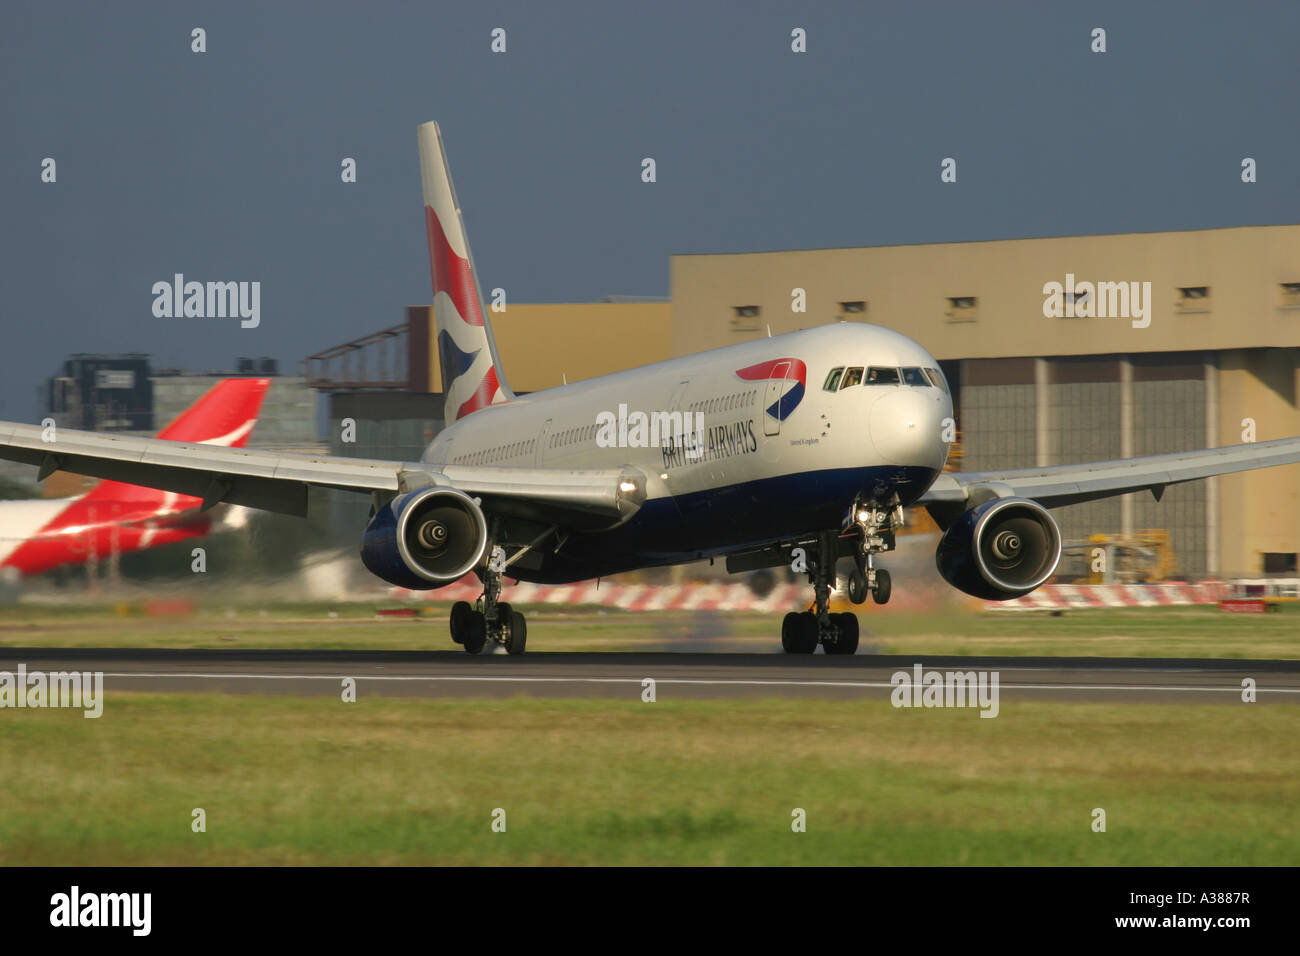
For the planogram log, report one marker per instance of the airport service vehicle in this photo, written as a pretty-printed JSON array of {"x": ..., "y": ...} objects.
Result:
[
  {"x": 114, "y": 517},
  {"x": 795, "y": 449}
]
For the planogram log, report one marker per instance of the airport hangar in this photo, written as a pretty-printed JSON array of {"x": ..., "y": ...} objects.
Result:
[{"x": 1222, "y": 347}]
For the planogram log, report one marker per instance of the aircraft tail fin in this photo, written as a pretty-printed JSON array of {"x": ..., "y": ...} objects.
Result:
[{"x": 472, "y": 377}]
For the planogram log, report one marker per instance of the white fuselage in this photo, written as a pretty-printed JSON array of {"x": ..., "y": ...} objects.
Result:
[
  {"x": 758, "y": 475},
  {"x": 21, "y": 520}
]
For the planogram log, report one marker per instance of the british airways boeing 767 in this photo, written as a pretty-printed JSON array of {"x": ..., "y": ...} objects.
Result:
[{"x": 815, "y": 439}]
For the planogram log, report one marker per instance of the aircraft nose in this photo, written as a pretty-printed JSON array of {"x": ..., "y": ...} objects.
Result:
[{"x": 907, "y": 429}]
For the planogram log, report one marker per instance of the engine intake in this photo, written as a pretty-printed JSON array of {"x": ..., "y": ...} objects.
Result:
[
  {"x": 1001, "y": 549},
  {"x": 425, "y": 539}
]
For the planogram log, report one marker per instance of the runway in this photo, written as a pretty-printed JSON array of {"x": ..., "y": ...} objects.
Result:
[{"x": 677, "y": 676}]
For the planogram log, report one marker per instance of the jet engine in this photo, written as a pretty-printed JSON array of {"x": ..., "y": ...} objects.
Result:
[
  {"x": 425, "y": 538},
  {"x": 1001, "y": 549}
]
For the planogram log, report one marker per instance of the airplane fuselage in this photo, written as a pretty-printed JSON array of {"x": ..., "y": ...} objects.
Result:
[
  {"x": 774, "y": 453},
  {"x": 39, "y": 535}
]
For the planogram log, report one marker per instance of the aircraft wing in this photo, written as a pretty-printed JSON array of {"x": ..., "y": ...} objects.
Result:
[
  {"x": 273, "y": 481},
  {"x": 1067, "y": 484}
]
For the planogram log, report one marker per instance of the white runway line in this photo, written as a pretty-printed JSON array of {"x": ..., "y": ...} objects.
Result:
[{"x": 688, "y": 680}]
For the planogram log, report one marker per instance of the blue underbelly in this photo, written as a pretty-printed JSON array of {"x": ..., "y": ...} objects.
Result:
[{"x": 703, "y": 524}]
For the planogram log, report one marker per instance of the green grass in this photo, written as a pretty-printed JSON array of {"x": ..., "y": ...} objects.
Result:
[
  {"x": 1124, "y": 632},
  {"x": 1192, "y": 631},
  {"x": 415, "y": 781}
]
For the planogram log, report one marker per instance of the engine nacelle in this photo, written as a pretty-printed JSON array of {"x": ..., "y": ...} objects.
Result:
[
  {"x": 425, "y": 538},
  {"x": 1001, "y": 549}
]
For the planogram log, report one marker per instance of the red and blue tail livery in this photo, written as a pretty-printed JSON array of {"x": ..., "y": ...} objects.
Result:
[{"x": 471, "y": 370}]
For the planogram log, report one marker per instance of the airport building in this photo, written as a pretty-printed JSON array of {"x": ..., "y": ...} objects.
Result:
[
  {"x": 1059, "y": 350},
  {"x": 102, "y": 393}
]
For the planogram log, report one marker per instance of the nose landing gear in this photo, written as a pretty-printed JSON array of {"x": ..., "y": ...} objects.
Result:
[
  {"x": 875, "y": 529},
  {"x": 869, "y": 580}
]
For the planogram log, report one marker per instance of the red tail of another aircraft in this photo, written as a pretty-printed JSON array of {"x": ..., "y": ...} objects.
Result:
[{"x": 36, "y": 536}]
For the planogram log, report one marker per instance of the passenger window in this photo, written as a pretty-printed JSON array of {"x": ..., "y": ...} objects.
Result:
[
  {"x": 851, "y": 377},
  {"x": 913, "y": 376},
  {"x": 833, "y": 379},
  {"x": 882, "y": 376},
  {"x": 937, "y": 378}
]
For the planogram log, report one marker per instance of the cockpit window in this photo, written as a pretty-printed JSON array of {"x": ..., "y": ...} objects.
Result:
[
  {"x": 882, "y": 376},
  {"x": 851, "y": 377},
  {"x": 937, "y": 378},
  {"x": 833, "y": 379},
  {"x": 914, "y": 376}
]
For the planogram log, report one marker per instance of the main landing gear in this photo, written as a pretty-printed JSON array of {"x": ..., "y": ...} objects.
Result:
[
  {"x": 838, "y": 633},
  {"x": 473, "y": 625}
]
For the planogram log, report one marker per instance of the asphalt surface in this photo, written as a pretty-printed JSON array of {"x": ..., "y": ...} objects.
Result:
[{"x": 676, "y": 676}]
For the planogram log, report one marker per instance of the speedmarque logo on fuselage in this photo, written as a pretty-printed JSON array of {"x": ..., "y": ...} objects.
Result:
[{"x": 792, "y": 371}]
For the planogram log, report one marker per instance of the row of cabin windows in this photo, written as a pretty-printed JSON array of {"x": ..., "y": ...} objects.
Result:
[
  {"x": 721, "y": 404},
  {"x": 501, "y": 453},
  {"x": 841, "y": 378},
  {"x": 724, "y": 403},
  {"x": 571, "y": 435},
  {"x": 587, "y": 433}
]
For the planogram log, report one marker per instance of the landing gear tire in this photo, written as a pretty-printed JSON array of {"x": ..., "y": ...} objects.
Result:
[
  {"x": 857, "y": 586},
  {"x": 474, "y": 634},
  {"x": 880, "y": 593},
  {"x": 513, "y": 633},
  {"x": 460, "y": 612},
  {"x": 847, "y": 625},
  {"x": 518, "y": 638},
  {"x": 799, "y": 633},
  {"x": 788, "y": 632}
]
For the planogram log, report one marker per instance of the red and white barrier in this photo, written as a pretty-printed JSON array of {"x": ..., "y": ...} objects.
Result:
[
  {"x": 736, "y": 596},
  {"x": 1082, "y": 596},
  {"x": 627, "y": 597},
  {"x": 720, "y": 596}
]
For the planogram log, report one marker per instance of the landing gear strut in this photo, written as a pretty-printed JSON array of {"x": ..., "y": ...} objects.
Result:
[
  {"x": 875, "y": 536},
  {"x": 489, "y": 619},
  {"x": 838, "y": 633}
]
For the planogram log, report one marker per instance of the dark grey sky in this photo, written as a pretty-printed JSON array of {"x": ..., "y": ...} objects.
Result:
[{"x": 225, "y": 165}]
